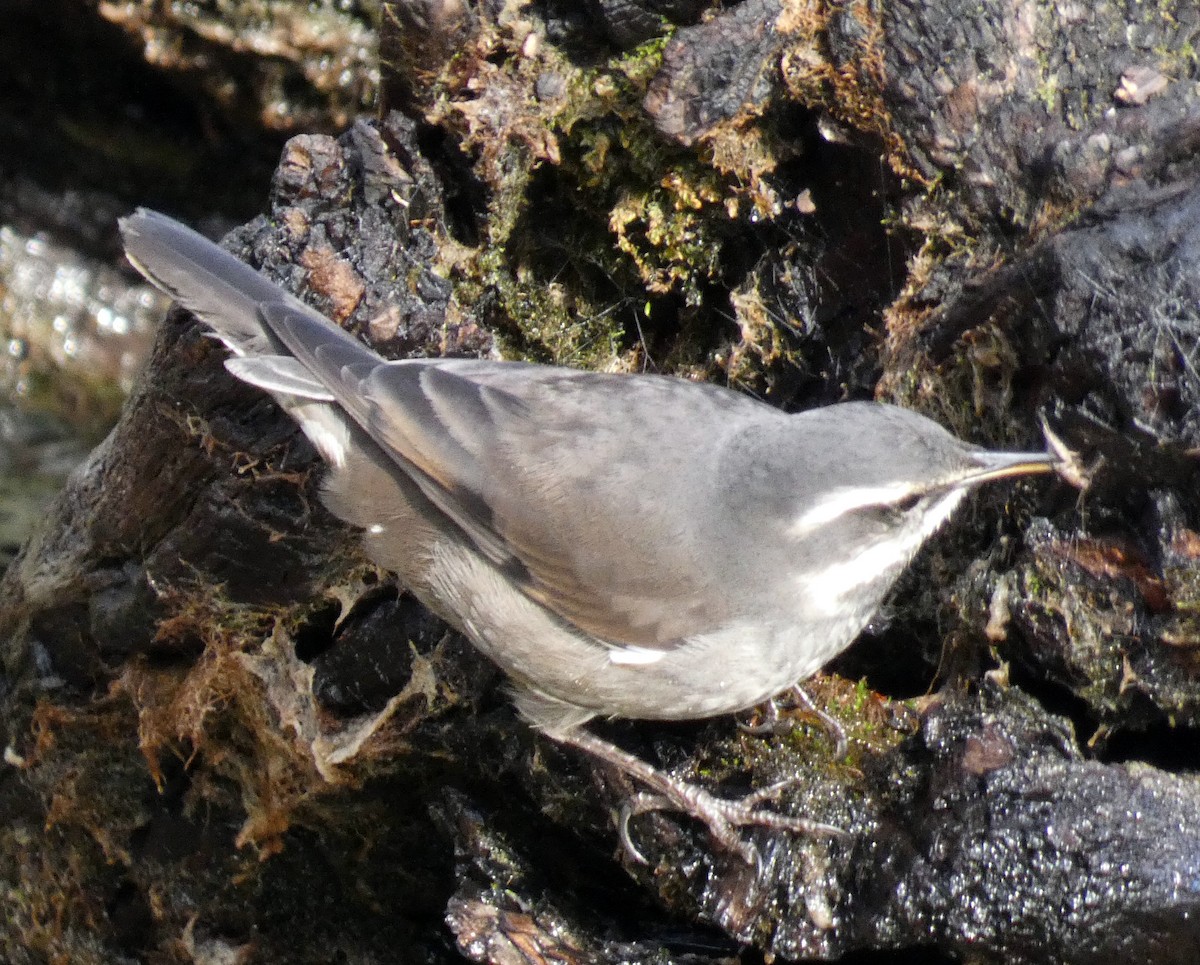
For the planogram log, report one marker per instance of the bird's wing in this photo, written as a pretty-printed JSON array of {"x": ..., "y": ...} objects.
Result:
[
  {"x": 590, "y": 496},
  {"x": 590, "y": 492}
]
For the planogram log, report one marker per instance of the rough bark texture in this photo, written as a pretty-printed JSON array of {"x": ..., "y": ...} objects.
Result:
[{"x": 229, "y": 739}]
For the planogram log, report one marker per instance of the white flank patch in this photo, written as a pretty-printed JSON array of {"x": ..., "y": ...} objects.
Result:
[
  {"x": 330, "y": 444},
  {"x": 636, "y": 656},
  {"x": 324, "y": 425}
]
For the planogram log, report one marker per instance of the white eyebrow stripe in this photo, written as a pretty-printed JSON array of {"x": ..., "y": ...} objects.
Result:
[
  {"x": 845, "y": 500},
  {"x": 827, "y": 589}
]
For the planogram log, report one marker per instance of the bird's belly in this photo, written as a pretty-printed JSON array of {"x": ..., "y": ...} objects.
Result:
[
  {"x": 563, "y": 676},
  {"x": 733, "y": 668}
]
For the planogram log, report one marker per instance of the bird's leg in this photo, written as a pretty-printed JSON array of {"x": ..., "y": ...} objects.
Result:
[
  {"x": 775, "y": 723},
  {"x": 833, "y": 728},
  {"x": 722, "y": 816}
]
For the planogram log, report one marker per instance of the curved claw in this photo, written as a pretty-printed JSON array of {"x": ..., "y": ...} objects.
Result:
[
  {"x": 722, "y": 830},
  {"x": 775, "y": 724},
  {"x": 641, "y": 803},
  {"x": 623, "y": 835}
]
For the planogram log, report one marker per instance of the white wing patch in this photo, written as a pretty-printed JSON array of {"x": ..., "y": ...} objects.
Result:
[{"x": 635, "y": 656}]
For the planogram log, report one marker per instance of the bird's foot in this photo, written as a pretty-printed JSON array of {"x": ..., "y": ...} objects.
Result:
[{"x": 722, "y": 816}]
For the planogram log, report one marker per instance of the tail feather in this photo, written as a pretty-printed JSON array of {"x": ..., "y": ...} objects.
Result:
[
  {"x": 230, "y": 298},
  {"x": 205, "y": 279}
]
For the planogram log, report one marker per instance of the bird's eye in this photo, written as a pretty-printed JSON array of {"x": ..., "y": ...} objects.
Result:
[{"x": 893, "y": 512}]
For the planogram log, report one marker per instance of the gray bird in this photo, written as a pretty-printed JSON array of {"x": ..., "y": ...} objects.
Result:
[{"x": 620, "y": 545}]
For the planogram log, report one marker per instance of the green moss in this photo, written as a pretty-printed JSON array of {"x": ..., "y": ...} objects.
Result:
[
  {"x": 593, "y": 215},
  {"x": 1048, "y": 93}
]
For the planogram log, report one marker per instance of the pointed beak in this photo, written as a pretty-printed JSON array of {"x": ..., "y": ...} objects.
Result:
[{"x": 1002, "y": 465}]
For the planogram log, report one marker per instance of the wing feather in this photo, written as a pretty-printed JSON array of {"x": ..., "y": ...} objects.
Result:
[{"x": 545, "y": 470}]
